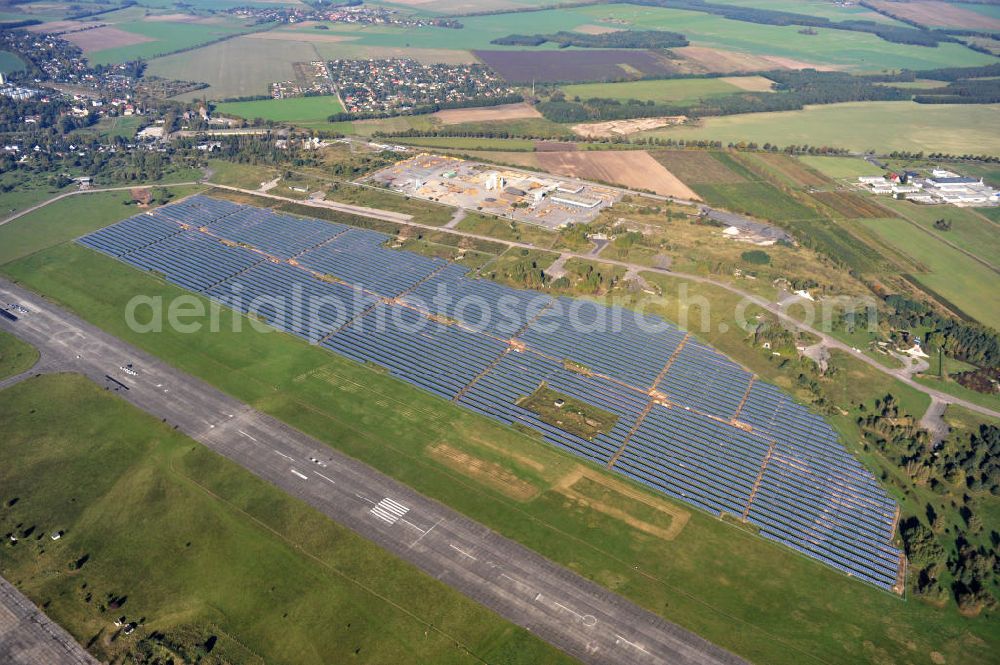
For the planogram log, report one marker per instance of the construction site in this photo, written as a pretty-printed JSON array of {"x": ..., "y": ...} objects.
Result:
[{"x": 519, "y": 195}]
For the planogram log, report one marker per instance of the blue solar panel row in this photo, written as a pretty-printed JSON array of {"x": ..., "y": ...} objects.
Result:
[
  {"x": 357, "y": 257},
  {"x": 703, "y": 378},
  {"x": 608, "y": 340},
  {"x": 790, "y": 475}
]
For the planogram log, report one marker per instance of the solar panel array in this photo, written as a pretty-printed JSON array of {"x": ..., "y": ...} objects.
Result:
[{"x": 690, "y": 423}]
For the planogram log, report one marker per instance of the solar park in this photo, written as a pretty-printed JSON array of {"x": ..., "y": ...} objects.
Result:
[{"x": 691, "y": 423}]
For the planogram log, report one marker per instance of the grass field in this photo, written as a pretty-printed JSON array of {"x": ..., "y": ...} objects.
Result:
[
  {"x": 945, "y": 271},
  {"x": 10, "y": 62},
  {"x": 238, "y": 67},
  {"x": 969, "y": 230},
  {"x": 199, "y": 547},
  {"x": 296, "y": 109},
  {"x": 840, "y": 167},
  {"x": 15, "y": 356},
  {"x": 756, "y": 598},
  {"x": 676, "y": 91},
  {"x": 77, "y": 216},
  {"x": 880, "y": 126}
]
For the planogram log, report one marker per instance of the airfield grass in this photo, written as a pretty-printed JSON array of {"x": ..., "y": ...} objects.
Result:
[
  {"x": 948, "y": 273},
  {"x": 880, "y": 126},
  {"x": 761, "y": 600},
  {"x": 69, "y": 218},
  {"x": 15, "y": 356},
  {"x": 423, "y": 212},
  {"x": 670, "y": 91},
  {"x": 198, "y": 546},
  {"x": 294, "y": 109}
]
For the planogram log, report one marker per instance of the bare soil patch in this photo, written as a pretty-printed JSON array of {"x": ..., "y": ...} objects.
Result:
[
  {"x": 634, "y": 169},
  {"x": 56, "y": 27},
  {"x": 555, "y": 146},
  {"x": 934, "y": 14},
  {"x": 487, "y": 114},
  {"x": 706, "y": 59},
  {"x": 678, "y": 516},
  {"x": 488, "y": 473},
  {"x": 611, "y": 128},
  {"x": 100, "y": 39},
  {"x": 750, "y": 83},
  {"x": 591, "y": 29}
]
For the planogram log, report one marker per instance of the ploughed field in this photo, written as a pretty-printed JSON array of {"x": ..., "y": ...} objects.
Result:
[{"x": 689, "y": 422}]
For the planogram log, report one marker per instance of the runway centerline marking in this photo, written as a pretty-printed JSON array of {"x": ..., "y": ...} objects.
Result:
[
  {"x": 426, "y": 532},
  {"x": 246, "y": 435},
  {"x": 329, "y": 480},
  {"x": 461, "y": 551},
  {"x": 632, "y": 644},
  {"x": 300, "y": 475},
  {"x": 284, "y": 455}
]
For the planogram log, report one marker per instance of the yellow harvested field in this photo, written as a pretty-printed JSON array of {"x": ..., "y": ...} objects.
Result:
[
  {"x": 611, "y": 128},
  {"x": 487, "y": 114},
  {"x": 634, "y": 169},
  {"x": 707, "y": 59},
  {"x": 750, "y": 83}
]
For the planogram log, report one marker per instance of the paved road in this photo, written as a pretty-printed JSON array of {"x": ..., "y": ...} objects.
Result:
[
  {"x": 581, "y": 618},
  {"x": 28, "y": 637},
  {"x": 828, "y": 340}
]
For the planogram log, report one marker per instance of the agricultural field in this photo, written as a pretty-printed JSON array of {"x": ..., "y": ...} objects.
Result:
[
  {"x": 238, "y": 67},
  {"x": 698, "y": 167},
  {"x": 15, "y": 356},
  {"x": 881, "y": 126},
  {"x": 196, "y": 546},
  {"x": 946, "y": 272},
  {"x": 848, "y": 205},
  {"x": 635, "y": 170},
  {"x": 938, "y": 14},
  {"x": 577, "y": 65},
  {"x": 786, "y": 168},
  {"x": 671, "y": 91},
  {"x": 689, "y": 579},
  {"x": 292, "y": 110},
  {"x": 129, "y": 35},
  {"x": 489, "y": 114}
]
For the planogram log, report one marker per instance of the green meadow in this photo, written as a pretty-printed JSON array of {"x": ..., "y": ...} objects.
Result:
[{"x": 195, "y": 547}]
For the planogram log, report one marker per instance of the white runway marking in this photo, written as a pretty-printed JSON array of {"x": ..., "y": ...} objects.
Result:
[
  {"x": 389, "y": 511},
  {"x": 329, "y": 480},
  {"x": 426, "y": 532},
  {"x": 619, "y": 638},
  {"x": 463, "y": 552},
  {"x": 247, "y": 435},
  {"x": 284, "y": 455},
  {"x": 300, "y": 475}
]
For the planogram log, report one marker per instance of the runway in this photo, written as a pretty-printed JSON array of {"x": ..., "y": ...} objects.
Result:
[
  {"x": 575, "y": 615},
  {"x": 28, "y": 637}
]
